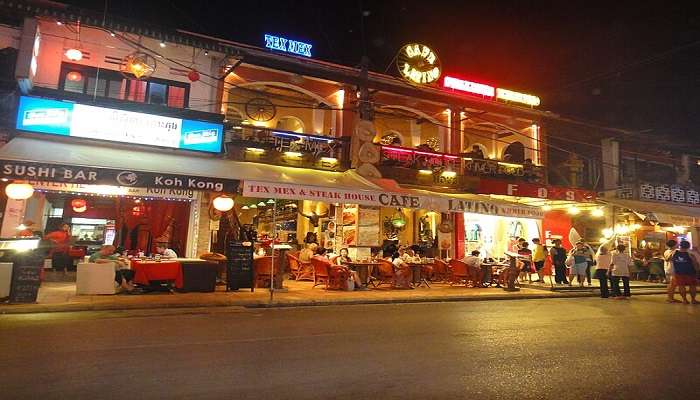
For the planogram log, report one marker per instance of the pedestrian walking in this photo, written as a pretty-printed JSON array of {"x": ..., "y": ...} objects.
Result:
[
  {"x": 558, "y": 254},
  {"x": 685, "y": 269},
  {"x": 620, "y": 271},
  {"x": 668, "y": 271},
  {"x": 603, "y": 259},
  {"x": 581, "y": 256},
  {"x": 539, "y": 255}
]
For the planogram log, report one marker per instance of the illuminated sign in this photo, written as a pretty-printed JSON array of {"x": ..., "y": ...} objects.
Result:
[
  {"x": 287, "y": 46},
  {"x": 467, "y": 86},
  {"x": 64, "y": 118},
  {"x": 509, "y": 95},
  {"x": 417, "y": 63}
]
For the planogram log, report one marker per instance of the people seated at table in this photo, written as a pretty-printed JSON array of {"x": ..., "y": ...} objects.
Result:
[
  {"x": 343, "y": 258},
  {"x": 122, "y": 274},
  {"x": 164, "y": 251},
  {"x": 321, "y": 253},
  {"x": 473, "y": 262},
  {"x": 408, "y": 255},
  {"x": 402, "y": 272}
]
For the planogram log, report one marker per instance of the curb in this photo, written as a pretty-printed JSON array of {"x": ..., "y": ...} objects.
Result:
[{"x": 10, "y": 310}]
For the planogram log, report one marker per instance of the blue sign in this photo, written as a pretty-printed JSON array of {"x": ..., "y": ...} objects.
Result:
[
  {"x": 63, "y": 118},
  {"x": 288, "y": 46}
]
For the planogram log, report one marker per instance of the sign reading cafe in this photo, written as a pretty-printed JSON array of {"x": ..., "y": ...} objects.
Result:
[{"x": 418, "y": 63}]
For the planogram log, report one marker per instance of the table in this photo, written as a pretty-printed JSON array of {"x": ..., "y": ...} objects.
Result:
[
  {"x": 147, "y": 271},
  {"x": 364, "y": 268},
  {"x": 418, "y": 278}
]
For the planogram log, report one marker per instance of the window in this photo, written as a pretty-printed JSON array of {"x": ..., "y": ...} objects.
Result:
[{"x": 113, "y": 84}]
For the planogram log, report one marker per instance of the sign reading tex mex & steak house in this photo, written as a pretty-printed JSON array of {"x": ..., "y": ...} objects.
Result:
[
  {"x": 385, "y": 199},
  {"x": 32, "y": 171}
]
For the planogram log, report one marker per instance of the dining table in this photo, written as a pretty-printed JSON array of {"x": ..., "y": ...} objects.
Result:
[
  {"x": 146, "y": 271},
  {"x": 363, "y": 268},
  {"x": 418, "y": 278}
]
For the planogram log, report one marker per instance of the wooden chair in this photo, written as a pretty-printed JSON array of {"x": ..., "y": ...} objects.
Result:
[
  {"x": 300, "y": 270},
  {"x": 441, "y": 271},
  {"x": 385, "y": 273},
  {"x": 325, "y": 273},
  {"x": 459, "y": 273}
]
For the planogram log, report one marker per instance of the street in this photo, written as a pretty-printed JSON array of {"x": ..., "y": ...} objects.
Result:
[{"x": 525, "y": 349}]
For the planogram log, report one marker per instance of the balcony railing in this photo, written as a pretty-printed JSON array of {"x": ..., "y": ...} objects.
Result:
[
  {"x": 270, "y": 146},
  {"x": 423, "y": 167}
]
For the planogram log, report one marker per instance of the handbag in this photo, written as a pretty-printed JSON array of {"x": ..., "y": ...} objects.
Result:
[{"x": 350, "y": 284}]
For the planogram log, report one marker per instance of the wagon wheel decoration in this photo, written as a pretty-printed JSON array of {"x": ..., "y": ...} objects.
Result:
[{"x": 260, "y": 109}]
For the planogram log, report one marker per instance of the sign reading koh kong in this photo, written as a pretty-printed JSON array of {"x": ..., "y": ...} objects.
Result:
[{"x": 385, "y": 199}]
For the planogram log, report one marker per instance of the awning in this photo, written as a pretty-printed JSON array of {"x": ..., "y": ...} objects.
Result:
[
  {"x": 387, "y": 193},
  {"x": 157, "y": 161},
  {"x": 674, "y": 214}
]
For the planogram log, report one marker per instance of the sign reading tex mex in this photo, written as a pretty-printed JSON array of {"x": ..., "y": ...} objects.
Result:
[
  {"x": 385, "y": 199},
  {"x": 32, "y": 171}
]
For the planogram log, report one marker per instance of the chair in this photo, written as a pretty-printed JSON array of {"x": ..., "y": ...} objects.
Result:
[
  {"x": 95, "y": 278},
  {"x": 262, "y": 268},
  {"x": 333, "y": 276},
  {"x": 385, "y": 273},
  {"x": 459, "y": 273},
  {"x": 300, "y": 270},
  {"x": 334, "y": 259},
  {"x": 441, "y": 271}
]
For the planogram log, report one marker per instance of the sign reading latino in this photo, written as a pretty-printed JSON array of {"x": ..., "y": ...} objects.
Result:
[
  {"x": 418, "y": 64},
  {"x": 386, "y": 199}
]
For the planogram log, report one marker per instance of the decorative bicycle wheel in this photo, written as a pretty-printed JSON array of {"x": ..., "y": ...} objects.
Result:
[{"x": 260, "y": 109}]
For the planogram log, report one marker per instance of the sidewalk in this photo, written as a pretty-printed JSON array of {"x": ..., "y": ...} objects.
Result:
[{"x": 60, "y": 296}]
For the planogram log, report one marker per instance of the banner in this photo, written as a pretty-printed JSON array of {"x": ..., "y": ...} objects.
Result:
[
  {"x": 436, "y": 202},
  {"x": 26, "y": 170},
  {"x": 534, "y": 190}
]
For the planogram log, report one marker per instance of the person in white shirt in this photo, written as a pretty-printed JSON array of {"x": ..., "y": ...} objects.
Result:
[
  {"x": 668, "y": 270},
  {"x": 620, "y": 264},
  {"x": 164, "y": 251},
  {"x": 603, "y": 259},
  {"x": 475, "y": 269}
]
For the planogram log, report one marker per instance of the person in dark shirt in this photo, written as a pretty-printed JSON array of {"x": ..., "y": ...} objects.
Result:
[
  {"x": 684, "y": 272},
  {"x": 559, "y": 254}
]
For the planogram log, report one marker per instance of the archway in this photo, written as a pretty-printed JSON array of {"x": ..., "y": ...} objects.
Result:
[
  {"x": 514, "y": 152},
  {"x": 291, "y": 124}
]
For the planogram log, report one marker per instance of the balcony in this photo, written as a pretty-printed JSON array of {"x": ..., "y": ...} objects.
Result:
[
  {"x": 271, "y": 146},
  {"x": 451, "y": 171}
]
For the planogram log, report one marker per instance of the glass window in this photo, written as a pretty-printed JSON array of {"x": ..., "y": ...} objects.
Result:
[
  {"x": 137, "y": 90},
  {"x": 101, "y": 87},
  {"x": 176, "y": 96},
  {"x": 116, "y": 89},
  {"x": 156, "y": 93}
]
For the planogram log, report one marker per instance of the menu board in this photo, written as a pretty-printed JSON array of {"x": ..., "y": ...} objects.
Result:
[
  {"x": 239, "y": 266},
  {"x": 25, "y": 283},
  {"x": 368, "y": 229}
]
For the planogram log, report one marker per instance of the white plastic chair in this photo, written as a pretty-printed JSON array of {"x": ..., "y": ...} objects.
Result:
[{"x": 95, "y": 278}]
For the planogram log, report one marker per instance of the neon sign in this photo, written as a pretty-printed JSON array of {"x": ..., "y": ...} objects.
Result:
[
  {"x": 287, "y": 45},
  {"x": 467, "y": 86},
  {"x": 509, "y": 95},
  {"x": 417, "y": 63}
]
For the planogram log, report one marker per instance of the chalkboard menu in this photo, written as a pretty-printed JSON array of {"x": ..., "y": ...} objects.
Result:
[
  {"x": 25, "y": 283},
  {"x": 239, "y": 267}
]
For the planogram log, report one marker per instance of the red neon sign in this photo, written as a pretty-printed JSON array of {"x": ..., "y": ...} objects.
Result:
[{"x": 467, "y": 86}]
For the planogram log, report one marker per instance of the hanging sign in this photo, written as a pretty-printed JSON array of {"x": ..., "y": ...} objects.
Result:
[
  {"x": 63, "y": 118},
  {"x": 418, "y": 63},
  {"x": 534, "y": 190}
]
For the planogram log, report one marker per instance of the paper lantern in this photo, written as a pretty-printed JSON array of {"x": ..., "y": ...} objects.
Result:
[
  {"x": 193, "y": 75},
  {"x": 74, "y": 76},
  {"x": 74, "y": 54},
  {"x": 78, "y": 203},
  {"x": 223, "y": 203},
  {"x": 19, "y": 191},
  {"x": 80, "y": 209}
]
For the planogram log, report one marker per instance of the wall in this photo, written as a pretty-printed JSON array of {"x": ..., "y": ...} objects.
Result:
[{"x": 99, "y": 47}]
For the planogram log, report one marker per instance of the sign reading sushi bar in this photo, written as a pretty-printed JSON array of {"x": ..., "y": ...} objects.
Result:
[{"x": 64, "y": 118}]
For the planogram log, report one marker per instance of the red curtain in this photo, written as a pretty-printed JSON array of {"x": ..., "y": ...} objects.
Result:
[
  {"x": 558, "y": 223},
  {"x": 169, "y": 215},
  {"x": 459, "y": 235}
]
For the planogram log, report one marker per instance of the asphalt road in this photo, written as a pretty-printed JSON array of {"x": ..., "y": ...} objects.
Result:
[{"x": 525, "y": 349}]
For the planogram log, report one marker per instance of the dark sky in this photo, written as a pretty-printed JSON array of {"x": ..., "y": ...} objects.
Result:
[{"x": 627, "y": 64}]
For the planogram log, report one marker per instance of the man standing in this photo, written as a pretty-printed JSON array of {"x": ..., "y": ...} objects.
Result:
[
  {"x": 558, "y": 254},
  {"x": 685, "y": 271},
  {"x": 620, "y": 271},
  {"x": 668, "y": 271},
  {"x": 539, "y": 254}
]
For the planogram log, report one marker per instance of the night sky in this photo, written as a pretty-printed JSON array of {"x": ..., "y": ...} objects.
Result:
[{"x": 626, "y": 64}]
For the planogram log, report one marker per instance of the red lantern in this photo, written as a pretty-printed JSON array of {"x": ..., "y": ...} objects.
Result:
[
  {"x": 74, "y": 76},
  {"x": 193, "y": 75},
  {"x": 78, "y": 203},
  {"x": 137, "y": 211}
]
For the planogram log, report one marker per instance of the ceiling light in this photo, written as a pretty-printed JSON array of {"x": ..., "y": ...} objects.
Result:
[{"x": 74, "y": 54}]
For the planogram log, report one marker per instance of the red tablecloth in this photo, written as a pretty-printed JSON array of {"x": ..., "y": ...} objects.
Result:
[{"x": 147, "y": 271}]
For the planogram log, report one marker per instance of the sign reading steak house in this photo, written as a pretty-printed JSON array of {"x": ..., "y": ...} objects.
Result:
[
  {"x": 25, "y": 170},
  {"x": 385, "y": 199}
]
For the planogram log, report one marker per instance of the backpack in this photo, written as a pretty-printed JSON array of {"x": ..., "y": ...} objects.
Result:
[{"x": 683, "y": 263}]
